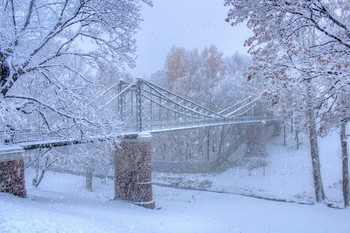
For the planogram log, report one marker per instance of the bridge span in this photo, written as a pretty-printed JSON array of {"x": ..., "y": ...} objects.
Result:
[{"x": 138, "y": 110}]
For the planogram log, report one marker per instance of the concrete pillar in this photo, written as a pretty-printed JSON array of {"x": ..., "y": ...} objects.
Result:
[
  {"x": 12, "y": 177},
  {"x": 12, "y": 171},
  {"x": 134, "y": 170}
]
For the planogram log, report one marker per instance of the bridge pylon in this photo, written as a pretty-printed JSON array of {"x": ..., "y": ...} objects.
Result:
[{"x": 133, "y": 168}]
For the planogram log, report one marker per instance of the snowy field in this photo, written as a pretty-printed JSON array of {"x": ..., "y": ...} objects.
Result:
[
  {"x": 62, "y": 204},
  {"x": 287, "y": 175}
]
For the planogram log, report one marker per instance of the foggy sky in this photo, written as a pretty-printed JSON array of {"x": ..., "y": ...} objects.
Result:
[{"x": 184, "y": 23}]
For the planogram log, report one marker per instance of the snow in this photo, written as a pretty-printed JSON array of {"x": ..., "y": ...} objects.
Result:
[
  {"x": 10, "y": 152},
  {"x": 286, "y": 177},
  {"x": 62, "y": 204}
]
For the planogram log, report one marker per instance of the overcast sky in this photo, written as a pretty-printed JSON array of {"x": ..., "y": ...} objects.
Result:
[{"x": 184, "y": 23}]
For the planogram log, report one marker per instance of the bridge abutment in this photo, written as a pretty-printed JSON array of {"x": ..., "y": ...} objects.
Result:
[{"x": 133, "y": 170}]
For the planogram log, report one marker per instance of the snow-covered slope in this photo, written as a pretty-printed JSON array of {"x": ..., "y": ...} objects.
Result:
[{"x": 286, "y": 176}]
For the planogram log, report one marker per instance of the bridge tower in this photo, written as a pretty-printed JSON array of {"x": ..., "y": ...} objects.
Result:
[{"x": 133, "y": 168}]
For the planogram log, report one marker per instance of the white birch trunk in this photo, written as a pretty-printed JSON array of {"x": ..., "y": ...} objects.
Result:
[
  {"x": 315, "y": 160},
  {"x": 345, "y": 164}
]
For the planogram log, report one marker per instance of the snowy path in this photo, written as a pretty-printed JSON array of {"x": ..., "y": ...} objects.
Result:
[{"x": 63, "y": 205}]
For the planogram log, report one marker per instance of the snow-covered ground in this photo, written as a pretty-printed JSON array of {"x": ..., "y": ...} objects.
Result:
[
  {"x": 62, "y": 204},
  {"x": 287, "y": 175}
]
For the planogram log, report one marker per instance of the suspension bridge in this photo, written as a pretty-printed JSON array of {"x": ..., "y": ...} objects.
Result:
[
  {"x": 138, "y": 110},
  {"x": 137, "y": 107}
]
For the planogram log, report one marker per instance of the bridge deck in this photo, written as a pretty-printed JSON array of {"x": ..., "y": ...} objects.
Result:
[{"x": 20, "y": 146}]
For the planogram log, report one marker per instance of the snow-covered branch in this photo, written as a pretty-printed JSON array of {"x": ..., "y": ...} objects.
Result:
[{"x": 51, "y": 52}]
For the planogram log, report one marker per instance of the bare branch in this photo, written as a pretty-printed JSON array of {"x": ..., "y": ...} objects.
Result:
[
  {"x": 76, "y": 118},
  {"x": 29, "y": 14}
]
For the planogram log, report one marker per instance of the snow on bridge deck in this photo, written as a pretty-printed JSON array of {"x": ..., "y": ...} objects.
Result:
[
  {"x": 15, "y": 149},
  {"x": 10, "y": 152}
]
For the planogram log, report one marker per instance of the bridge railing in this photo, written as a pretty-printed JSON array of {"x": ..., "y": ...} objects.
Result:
[
  {"x": 29, "y": 135},
  {"x": 170, "y": 126},
  {"x": 9, "y": 137}
]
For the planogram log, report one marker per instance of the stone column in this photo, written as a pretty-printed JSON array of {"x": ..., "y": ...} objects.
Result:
[
  {"x": 12, "y": 177},
  {"x": 134, "y": 170},
  {"x": 12, "y": 171}
]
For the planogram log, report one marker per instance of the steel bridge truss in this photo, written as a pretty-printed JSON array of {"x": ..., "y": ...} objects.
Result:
[
  {"x": 130, "y": 108},
  {"x": 144, "y": 106}
]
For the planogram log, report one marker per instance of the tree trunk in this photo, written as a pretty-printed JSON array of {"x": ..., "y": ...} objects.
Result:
[
  {"x": 221, "y": 141},
  {"x": 284, "y": 135},
  {"x": 297, "y": 138},
  {"x": 345, "y": 164},
  {"x": 316, "y": 167},
  {"x": 39, "y": 177},
  {"x": 208, "y": 144},
  {"x": 89, "y": 180},
  {"x": 315, "y": 160},
  {"x": 4, "y": 72}
]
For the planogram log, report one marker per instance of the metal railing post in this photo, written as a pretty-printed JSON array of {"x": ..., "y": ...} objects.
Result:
[{"x": 138, "y": 92}]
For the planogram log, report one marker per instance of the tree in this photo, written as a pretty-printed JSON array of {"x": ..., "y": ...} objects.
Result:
[
  {"x": 52, "y": 44},
  {"x": 194, "y": 74},
  {"x": 213, "y": 65},
  {"x": 175, "y": 65},
  {"x": 277, "y": 28},
  {"x": 48, "y": 53},
  {"x": 207, "y": 78},
  {"x": 233, "y": 86},
  {"x": 283, "y": 58}
]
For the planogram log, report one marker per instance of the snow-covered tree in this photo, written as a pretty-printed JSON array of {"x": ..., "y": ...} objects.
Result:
[
  {"x": 40, "y": 39},
  {"x": 49, "y": 52},
  {"x": 277, "y": 48},
  {"x": 233, "y": 86},
  {"x": 213, "y": 64},
  {"x": 207, "y": 78},
  {"x": 284, "y": 56},
  {"x": 193, "y": 74}
]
